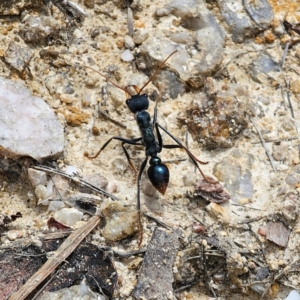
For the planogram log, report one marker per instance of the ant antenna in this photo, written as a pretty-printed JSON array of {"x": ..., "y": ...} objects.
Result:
[
  {"x": 158, "y": 69},
  {"x": 123, "y": 89}
]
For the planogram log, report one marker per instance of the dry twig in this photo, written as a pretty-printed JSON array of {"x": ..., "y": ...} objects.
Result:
[
  {"x": 67, "y": 247},
  {"x": 75, "y": 179},
  {"x": 277, "y": 277},
  {"x": 264, "y": 145}
]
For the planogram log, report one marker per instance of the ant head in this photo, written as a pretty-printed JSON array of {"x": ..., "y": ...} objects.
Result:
[{"x": 138, "y": 103}]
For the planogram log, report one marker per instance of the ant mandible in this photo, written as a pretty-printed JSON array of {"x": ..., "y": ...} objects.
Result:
[{"x": 158, "y": 172}]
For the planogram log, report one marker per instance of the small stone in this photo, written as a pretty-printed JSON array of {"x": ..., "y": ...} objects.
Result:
[
  {"x": 55, "y": 205},
  {"x": 75, "y": 116},
  {"x": 129, "y": 43},
  {"x": 28, "y": 126},
  {"x": 262, "y": 273},
  {"x": 50, "y": 193},
  {"x": 121, "y": 221},
  {"x": 293, "y": 295},
  {"x": 219, "y": 212},
  {"x": 140, "y": 35},
  {"x": 14, "y": 234},
  {"x": 295, "y": 86},
  {"x": 67, "y": 98},
  {"x": 61, "y": 184},
  {"x": 182, "y": 38},
  {"x": 280, "y": 151},
  {"x": 120, "y": 43},
  {"x": 40, "y": 192},
  {"x": 39, "y": 28},
  {"x": 135, "y": 264},
  {"x": 119, "y": 164},
  {"x": 17, "y": 7},
  {"x": 127, "y": 56},
  {"x": 56, "y": 104},
  {"x": 288, "y": 125},
  {"x": 95, "y": 130},
  {"x": 37, "y": 177},
  {"x": 116, "y": 96},
  {"x": 235, "y": 171},
  {"x": 239, "y": 17},
  {"x": 89, "y": 3},
  {"x": 68, "y": 216},
  {"x": 70, "y": 170},
  {"x": 139, "y": 24},
  {"x": 264, "y": 63},
  {"x": 269, "y": 37},
  {"x": 59, "y": 84},
  {"x": 292, "y": 179},
  {"x": 168, "y": 84},
  {"x": 95, "y": 32},
  {"x": 75, "y": 292},
  {"x": 290, "y": 209},
  {"x": 18, "y": 56}
]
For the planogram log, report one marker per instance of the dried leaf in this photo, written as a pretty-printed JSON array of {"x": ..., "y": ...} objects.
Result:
[
  {"x": 55, "y": 224},
  {"x": 211, "y": 190},
  {"x": 277, "y": 233}
]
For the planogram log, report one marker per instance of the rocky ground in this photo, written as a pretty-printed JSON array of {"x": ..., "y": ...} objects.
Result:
[{"x": 230, "y": 93}]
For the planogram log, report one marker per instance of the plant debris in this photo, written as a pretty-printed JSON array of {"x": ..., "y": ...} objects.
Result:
[
  {"x": 211, "y": 191},
  {"x": 156, "y": 276},
  {"x": 277, "y": 233}
]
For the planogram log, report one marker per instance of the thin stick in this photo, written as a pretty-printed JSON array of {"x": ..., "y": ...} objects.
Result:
[
  {"x": 286, "y": 48},
  {"x": 246, "y": 206},
  {"x": 103, "y": 113},
  {"x": 158, "y": 221},
  {"x": 278, "y": 140},
  {"x": 207, "y": 281},
  {"x": 75, "y": 179},
  {"x": 290, "y": 103},
  {"x": 264, "y": 145},
  {"x": 130, "y": 21},
  {"x": 66, "y": 248},
  {"x": 247, "y": 221},
  {"x": 277, "y": 277}
]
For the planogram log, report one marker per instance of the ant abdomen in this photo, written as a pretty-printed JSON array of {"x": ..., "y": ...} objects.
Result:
[{"x": 158, "y": 174}]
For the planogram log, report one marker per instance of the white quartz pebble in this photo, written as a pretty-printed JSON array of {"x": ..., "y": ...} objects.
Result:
[
  {"x": 28, "y": 126},
  {"x": 127, "y": 56},
  {"x": 68, "y": 216},
  {"x": 293, "y": 295}
]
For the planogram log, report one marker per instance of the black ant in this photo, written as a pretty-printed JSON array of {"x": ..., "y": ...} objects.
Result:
[{"x": 158, "y": 173}]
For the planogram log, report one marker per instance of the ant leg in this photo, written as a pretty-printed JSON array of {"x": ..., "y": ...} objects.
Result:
[
  {"x": 124, "y": 141},
  {"x": 142, "y": 168},
  {"x": 129, "y": 159},
  {"x": 194, "y": 159}
]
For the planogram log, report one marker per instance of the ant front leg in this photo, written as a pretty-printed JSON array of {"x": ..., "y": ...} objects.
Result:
[
  {"x": 124, "y": 141},
  {"x": 194, "y": 159}
]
